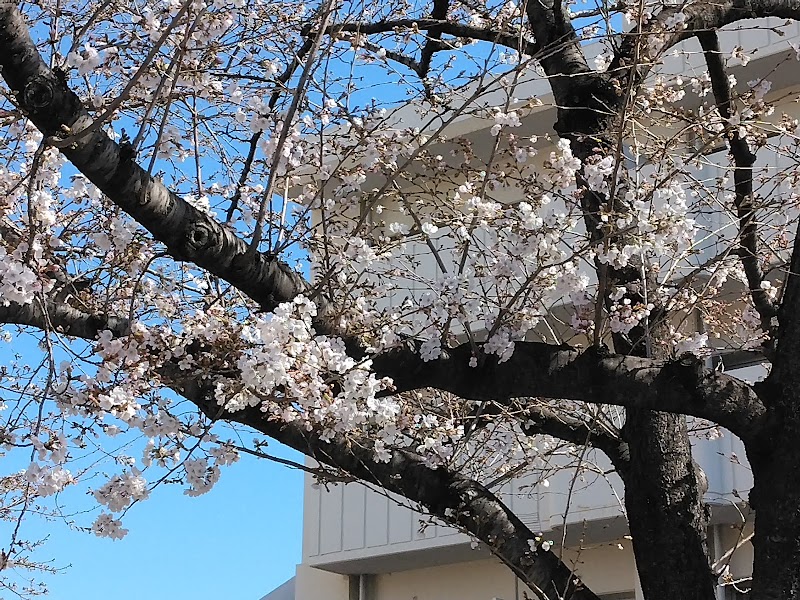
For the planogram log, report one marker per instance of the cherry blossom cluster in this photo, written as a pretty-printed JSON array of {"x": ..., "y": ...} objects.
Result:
[{"x": 424, "y": 212}]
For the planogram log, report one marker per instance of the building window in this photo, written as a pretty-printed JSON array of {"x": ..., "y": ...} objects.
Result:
[{"x": 360, "y": 587}]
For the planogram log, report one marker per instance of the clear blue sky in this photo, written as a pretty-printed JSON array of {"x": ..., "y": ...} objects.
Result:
[{"x": 238, "y": 542}]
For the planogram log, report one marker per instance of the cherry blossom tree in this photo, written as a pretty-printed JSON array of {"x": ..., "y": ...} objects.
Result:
[{"x": 166, "y": 163}]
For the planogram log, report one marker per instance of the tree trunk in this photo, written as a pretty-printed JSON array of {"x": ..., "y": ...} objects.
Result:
[
  {"x": 774, "y": 458},
  {"x": 776, "y": 498},
  {"x": 665, "y": 508},
  {"x": 666, "y": 514}
]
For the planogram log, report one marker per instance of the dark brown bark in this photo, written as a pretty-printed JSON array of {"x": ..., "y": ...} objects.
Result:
[
  {"x": 542, "y": 420},
  {"x": 666, "y": 513},
  {"x": 775, "y": 497},
  {"x": 774, "y": 456},
  {"x": 434, "y": 24},
  {"x": 683, "y": 386},
  {"x": 744, "y": 159}
]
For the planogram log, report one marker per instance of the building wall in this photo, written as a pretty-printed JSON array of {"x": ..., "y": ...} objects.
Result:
[
  {"x": 484, "y": 579},
  {"x": 350, "y": 528},
  {"x": 316, "y": 584},
  {"x": 608, "y": 569}
]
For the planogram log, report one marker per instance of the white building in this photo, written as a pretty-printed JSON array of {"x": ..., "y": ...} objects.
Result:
[{"x": 358, "y": 544}]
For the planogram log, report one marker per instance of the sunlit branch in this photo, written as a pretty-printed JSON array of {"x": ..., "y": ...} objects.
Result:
[
  {"x": 299, "y": 94},
  {"x": 59, "y": 316},
  {"x": 188, "y": 233},
  {"x": 514, "y": 40}
]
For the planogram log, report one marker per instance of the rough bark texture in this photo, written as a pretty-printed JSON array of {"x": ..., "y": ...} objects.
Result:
[
  {"x": 683, "y": 386},
  {"x": 775, "y": 497},
  {"x": 666, "y": 514},
  {"x": 774, "y": 456}
]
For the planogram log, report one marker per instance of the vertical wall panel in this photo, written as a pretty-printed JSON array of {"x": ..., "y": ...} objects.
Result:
[
  {"x": 330, "y": 520},
  {"x": 353, "y": 516},
  {"x": 311, "y": 517},
  {"x": 376, "y": 513},
  {"x": 524, "y": 500},
  {"x": 400, "y": 523}
]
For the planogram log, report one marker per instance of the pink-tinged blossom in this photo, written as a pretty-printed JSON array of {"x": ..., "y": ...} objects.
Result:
[
  {"x": 382, "y": 454},
  {"x": 18, "y": 283},
  {"x": 564, "y": 165},
  {"x": 501, "y": 119},
  {"x": 107, "y": 526},
  {"x": 48, "y": 480},
  {"x": 121, "y": 490},
  {"x": 696, "y": 343}
]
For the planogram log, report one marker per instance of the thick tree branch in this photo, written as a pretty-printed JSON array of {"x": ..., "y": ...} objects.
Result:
[
  {"x": 554, "y": 33},
  {"x": 583, "y": 96},
  {"x": 587, "y": 101},
  {"x": 744, "y": 160},
  {"x": 787, "y": 353},
  {"x": 713, "y": 15},
  {"x": 697, "y": 17},
  {"x": 684, "y": 386},
  {"x": 433, "y": 43},
  {"x": 188, "y": 233}
]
